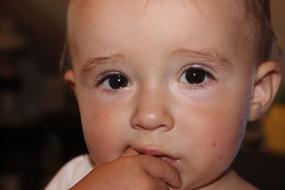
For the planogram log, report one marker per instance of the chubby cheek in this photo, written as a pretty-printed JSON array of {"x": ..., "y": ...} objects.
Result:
[
  {"x": 218, "y": 136},
  {"x": 103, "y": 131},
  {"x": 212, "y": 133}
]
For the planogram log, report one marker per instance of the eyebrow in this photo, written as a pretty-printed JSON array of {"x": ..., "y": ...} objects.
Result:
[
  {"x": 93, "y": 62},
  {"x": 211, "y": 55}
]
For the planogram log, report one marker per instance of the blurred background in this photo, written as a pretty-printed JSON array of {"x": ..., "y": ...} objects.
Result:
[{"x": 39, "y": 123}]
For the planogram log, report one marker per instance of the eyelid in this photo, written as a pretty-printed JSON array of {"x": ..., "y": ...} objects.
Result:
[
  {"x": 105, "y": 75},
  {"x": 197, "y": 66},
  {"x": 196, "y": 86}
]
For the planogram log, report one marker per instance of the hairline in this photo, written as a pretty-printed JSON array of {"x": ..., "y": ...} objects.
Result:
[{"x": 257, "y": 28}]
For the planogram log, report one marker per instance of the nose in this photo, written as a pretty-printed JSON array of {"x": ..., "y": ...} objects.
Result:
[{"x": 151, "y": 113}]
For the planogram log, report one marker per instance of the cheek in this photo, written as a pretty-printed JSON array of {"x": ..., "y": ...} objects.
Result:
[
  {"x": 103, "y": 130},
  {"x": 219, "y": 135},
  {"x": 213, "y": 129}
]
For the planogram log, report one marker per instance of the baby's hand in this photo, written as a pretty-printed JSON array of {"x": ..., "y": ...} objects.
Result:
[{"x": 140, "y": 172}]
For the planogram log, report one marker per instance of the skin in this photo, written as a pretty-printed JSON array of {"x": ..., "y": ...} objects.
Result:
[{"x": 159, "y": 112}]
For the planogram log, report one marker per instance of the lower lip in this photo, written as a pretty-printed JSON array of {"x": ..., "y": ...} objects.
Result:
[
  {"x": 169, "y": 160},
  {"x": 149, "y": 151}
]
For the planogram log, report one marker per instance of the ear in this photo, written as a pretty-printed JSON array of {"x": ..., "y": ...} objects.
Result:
[
  {"x": 69, "y": 78},
  {"x": 267, "y": 81}
]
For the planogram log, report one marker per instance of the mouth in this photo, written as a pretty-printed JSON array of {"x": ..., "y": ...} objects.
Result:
[{"x": 158, "y": 154}]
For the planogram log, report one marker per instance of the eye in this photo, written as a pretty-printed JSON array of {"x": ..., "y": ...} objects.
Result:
[
  {"x": 195, "y": 76},
  {"x": 114, "y": 81}
]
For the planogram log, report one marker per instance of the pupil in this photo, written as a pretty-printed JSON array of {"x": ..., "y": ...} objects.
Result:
[
  {"x": 195, "y": 76},
  {"x": 118, "y": 81}
]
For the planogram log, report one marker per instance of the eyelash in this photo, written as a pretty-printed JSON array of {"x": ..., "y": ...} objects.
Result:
[
  {"x": 123, "y": 81},
  {"x": 107, "y": 75},
  {"x": 202, "y": 84}
]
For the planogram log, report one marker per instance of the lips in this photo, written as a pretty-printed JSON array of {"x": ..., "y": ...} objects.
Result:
[{"x": 157, "y": 153}]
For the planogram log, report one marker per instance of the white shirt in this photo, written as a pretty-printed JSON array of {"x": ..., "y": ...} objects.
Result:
[{"x": 71, "y": 173}]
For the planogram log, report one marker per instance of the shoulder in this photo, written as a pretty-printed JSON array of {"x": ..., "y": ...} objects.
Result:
[{"x": 71, "y": 173}]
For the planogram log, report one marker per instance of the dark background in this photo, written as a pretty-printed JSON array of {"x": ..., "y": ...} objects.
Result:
[{"x": 39, "y": 123}]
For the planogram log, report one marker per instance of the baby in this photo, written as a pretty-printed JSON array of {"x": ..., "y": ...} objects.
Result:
[{"x": 165, "y": 89}]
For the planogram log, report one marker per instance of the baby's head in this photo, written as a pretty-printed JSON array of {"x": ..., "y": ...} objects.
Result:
[{"x": 179, "y": 77}]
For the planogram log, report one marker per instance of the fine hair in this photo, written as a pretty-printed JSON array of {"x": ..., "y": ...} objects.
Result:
[{"x": 259, "y": 21}]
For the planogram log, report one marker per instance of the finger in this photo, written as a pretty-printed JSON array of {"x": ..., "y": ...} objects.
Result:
[
  {"x": 162, "y": 170},
  {"x": 130, "y": 152},
  {"x": 161, "y": 185},
  {"x": 157, "y": 184}
]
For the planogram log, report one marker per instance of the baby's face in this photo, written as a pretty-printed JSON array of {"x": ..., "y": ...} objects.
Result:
[{"x": 170, "y": 78}]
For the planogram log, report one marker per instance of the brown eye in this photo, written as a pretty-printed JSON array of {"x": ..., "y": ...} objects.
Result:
[
  {"x": 195, "y": 76},
  {"x": 114, "y": 82}
]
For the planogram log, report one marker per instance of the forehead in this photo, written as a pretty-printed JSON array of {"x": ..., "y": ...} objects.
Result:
[
  {"x": 222, "y": 8},
  {"x": 219, "y": 5},
  {"x": 113, "y": 23},
  {"x": 215, "y": 11}
]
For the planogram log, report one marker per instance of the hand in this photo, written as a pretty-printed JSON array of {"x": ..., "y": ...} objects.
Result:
[{"x": 140, "y": 172}]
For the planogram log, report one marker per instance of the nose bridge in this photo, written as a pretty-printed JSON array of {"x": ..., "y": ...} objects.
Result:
[{"x": 151, "y": 111}]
